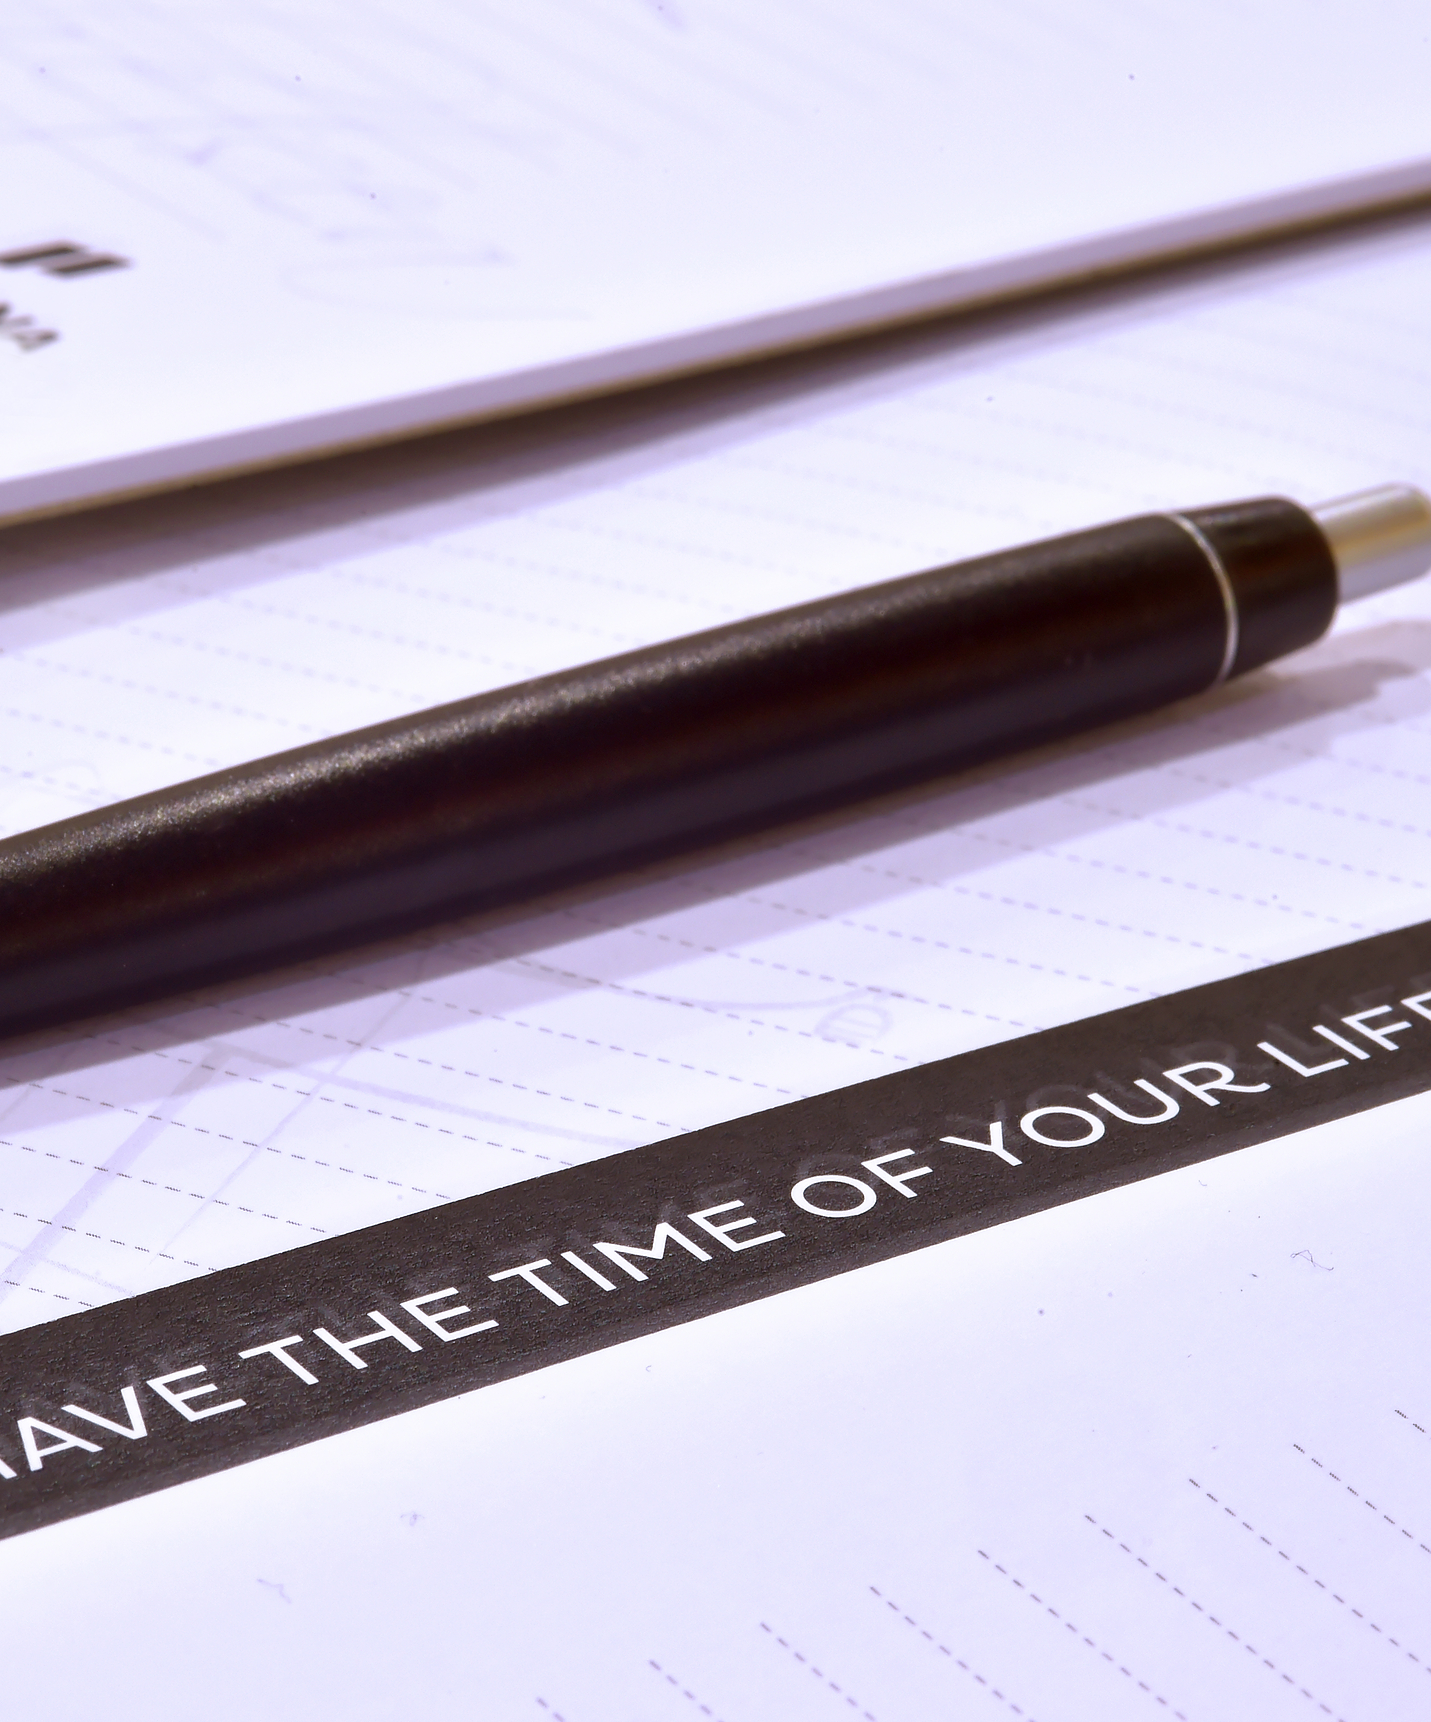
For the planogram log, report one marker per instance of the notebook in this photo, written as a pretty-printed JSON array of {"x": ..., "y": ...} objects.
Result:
[
  {"x": 1158, "y": 1450},
  {"x": 1161, "y": 1450},
  {"x": 236, "y": 236}
]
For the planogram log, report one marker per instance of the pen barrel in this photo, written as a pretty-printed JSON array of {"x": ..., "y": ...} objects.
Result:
[{"x": 614, "y": 763}]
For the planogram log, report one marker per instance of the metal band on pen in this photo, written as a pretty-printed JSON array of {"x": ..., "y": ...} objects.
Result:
[{"x": 1229, "y": 597}]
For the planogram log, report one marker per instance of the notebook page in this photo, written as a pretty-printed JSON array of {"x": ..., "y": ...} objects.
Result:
[
  {"x": 1161, "y": 1452},
  {"x": 1275, "y": 817},
  {"x": 236, "y": 235}
]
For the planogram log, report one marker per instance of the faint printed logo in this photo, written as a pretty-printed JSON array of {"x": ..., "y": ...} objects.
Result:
[
  {"x": 63, "y": 258},
  {"x": 59, "y": 257}
]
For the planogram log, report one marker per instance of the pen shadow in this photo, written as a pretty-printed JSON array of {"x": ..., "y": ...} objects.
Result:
[
  {"x": 1237, "y": 735},
  {"x": 459, "y": 477}
]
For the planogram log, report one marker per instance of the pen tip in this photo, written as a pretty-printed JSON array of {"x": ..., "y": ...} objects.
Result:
[{"x": 1379, "y": 538}]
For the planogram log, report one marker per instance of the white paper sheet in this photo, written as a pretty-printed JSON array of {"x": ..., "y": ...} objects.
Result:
[
  {"x": 611, "y": 1539},
  {"x": 342, "y": 222}
]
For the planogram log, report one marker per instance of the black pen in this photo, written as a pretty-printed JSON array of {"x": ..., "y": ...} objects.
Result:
[{"x": 570, "y": 776}]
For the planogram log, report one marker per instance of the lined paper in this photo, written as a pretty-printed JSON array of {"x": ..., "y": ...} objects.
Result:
[
  {"x": 1275, "y": 817},
  {"x": 234, "y": 235}
]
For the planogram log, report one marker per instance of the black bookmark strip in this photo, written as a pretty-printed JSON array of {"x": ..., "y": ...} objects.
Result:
[{"x": 115, "y": 1402}]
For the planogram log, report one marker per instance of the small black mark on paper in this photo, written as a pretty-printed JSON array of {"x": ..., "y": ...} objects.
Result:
[{"x": 63, "y": 258}]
